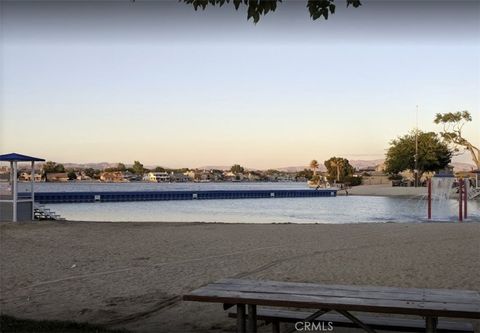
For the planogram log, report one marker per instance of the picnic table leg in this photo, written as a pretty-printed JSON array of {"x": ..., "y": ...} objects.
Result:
[
  {"x": 241, "y": 318},
  {"x": 275, "y": 326},
  {"x": 431, "y": 324},
  {"x": 356, "y": 321},
  {"x": 252, "y": 318}
]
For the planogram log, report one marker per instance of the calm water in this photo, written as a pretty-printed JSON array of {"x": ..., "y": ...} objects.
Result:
[{"x": 352, "y": 209}]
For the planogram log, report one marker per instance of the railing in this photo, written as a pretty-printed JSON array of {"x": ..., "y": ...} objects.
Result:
[
  {"x": 41, "y": 212},
  {"x": 78, "y": 197}
]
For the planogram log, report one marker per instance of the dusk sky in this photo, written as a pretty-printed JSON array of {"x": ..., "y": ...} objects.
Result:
[{"x": 158, "y": 82}]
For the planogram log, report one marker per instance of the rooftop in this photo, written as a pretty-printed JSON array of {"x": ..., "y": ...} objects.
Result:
[{"x": 14, "y": 157}]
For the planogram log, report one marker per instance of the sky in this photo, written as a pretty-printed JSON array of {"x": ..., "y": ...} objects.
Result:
[{"x": 156, "y": 81}]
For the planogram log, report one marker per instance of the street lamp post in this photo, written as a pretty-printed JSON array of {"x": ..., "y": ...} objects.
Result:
[{"x": 416, "y": 150}]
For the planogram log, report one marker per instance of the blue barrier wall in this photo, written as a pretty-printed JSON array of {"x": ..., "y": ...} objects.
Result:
[{"x": 78, "y": 197}]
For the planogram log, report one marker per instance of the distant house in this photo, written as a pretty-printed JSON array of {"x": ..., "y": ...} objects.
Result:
[
  {"x": 368, "y": 169},
  {"x": 205, "y": 176},
  {"x": 82, "y": 176},
  {"x": 286, "y": 177},
  {"x": 178, "y": 177},
  {"x": 28, "y": 176},
  {"x": 216, "y": 175},
  {"x": 191, "y": 174},
  {"x": 24, "y": 176},
  {"x": 375, "y": 178},
  {"x": 57, "y": 177},
  {"x": 113, "y": 177},
  {"x": 373, "y": 175},
  {"x": 158, "y": 177},
  {"x": 129, "y": 176},
  {"x": 232, "y": 176},
  {"x": 253, "y": 176},
  {"x": 195, "y": 175}
]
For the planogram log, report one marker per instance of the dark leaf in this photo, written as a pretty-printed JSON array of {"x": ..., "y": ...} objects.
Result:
[{"x": 332, "y": 8}]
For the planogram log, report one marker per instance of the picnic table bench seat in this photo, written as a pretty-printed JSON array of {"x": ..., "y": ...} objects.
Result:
[
  {"x": 338, "y": 302},
  {"x": 276, "y": 316}
]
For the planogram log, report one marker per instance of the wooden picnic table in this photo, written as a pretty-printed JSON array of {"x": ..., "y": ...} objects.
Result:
[{"x": 428, "y": 303}]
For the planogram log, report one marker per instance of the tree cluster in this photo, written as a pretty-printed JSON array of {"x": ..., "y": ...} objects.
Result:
[
  {"x": 258, "y": 8},
  {"x": 237, "y": 168},
  {"x": 338, "y": 169},
  {"x": 52, "y": 167},
  {"x": 433, "y": 153}
]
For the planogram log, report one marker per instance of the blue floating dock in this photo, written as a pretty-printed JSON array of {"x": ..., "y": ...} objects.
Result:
[{"x": 79, "y": 197}]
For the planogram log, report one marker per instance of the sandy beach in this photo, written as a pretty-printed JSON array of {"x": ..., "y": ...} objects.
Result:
[{"x": 132, "y": 275}]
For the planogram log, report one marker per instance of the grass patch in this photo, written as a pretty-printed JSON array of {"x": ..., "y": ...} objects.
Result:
[{"x": 11, "y": 324}]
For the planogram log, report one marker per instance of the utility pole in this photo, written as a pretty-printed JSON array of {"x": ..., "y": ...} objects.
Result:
[{"x": 416, "y": 149}]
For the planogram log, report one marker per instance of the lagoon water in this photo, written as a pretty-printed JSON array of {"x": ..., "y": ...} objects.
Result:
[{"x": 351, "y": 209}]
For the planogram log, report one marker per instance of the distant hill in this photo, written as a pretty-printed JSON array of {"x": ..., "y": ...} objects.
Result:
[
  {"x": 298, "y": 168},
  {"x": 100, "y": 165},
  {"x": 357, "y": 164},
  {"x": 216, "y": 167},
  {"x": 363, "y": 164}
]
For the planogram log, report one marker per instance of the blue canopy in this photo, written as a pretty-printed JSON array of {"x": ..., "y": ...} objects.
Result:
[{"x": 14, "y": 157}]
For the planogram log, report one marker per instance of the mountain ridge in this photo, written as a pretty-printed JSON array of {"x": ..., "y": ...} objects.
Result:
[{"x": 357, "y": 164}]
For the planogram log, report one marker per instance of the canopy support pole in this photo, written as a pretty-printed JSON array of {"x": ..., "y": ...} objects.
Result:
[
  {"x": 15, "y": 191},
  {"x": 32, "y": 181}
]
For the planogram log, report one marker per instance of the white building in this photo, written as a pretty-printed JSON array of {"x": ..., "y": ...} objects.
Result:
[{"x": 158, "y": 177}]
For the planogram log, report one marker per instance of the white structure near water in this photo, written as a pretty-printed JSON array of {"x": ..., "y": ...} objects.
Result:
[
  {"x": 158, "y": 177},
  {"x": 15, "y": 206}
]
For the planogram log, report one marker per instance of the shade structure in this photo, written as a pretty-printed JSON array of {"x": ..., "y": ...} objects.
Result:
[
  {"x": 15, "y": 157},
  {"x": 14, "y": 207}
]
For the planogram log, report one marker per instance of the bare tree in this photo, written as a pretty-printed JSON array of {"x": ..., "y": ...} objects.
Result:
[{"x": 453, "y": 123}]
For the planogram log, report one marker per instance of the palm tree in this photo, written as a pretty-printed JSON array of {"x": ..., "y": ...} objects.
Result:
[
  {"x": 337, "y": 163},
  {"x": 314, "y": 166}
]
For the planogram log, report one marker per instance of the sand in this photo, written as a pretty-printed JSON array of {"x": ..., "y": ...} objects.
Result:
[{"x": 132, "y": 275}]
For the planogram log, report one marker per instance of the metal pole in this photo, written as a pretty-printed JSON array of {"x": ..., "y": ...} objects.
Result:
[
  {"x": 416, "y": 159},
  {"x": 431, "y": 324},
  {"x": 32, "y": 180},
  {"x": 11, "y": 179},
  {"x": 460, "y": 197},
  {"x": 241, "y": 327},
  {"x": 15, "y": 191},
  {"x": 429, "y": 199},
  {"x": 416, "y": 148},
  {"x": 252, "y": 319},
  {"x": 465, "y": 198}
]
